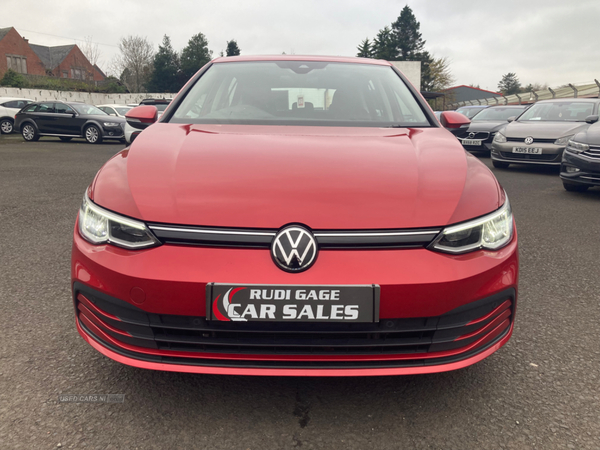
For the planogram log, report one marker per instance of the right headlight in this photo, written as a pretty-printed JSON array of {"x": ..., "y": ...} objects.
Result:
[
  {"x": 499, "y": 138},
  {"x": 490, "y": 232},
  {"x": 99, "y": 226},
  {"x": 577, "y": 147}
]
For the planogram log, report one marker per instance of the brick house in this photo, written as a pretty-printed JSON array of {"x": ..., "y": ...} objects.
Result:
[
  {"x": 63, "y": 61},
  {"x": 16, "y": 54}
]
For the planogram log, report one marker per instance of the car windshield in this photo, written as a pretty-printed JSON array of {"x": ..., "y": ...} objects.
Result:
[
  {"x": 88, "y": 109},
  {"x": 122, "y": 111},
  {"x": 300, "y": 93},
  {"x": 469, "y": 112},
  {"x": 497, "y": 114},
  {"x": 558, "y": 112}
]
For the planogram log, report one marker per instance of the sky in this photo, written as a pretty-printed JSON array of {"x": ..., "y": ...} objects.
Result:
[{"x": 542, "y": 41}]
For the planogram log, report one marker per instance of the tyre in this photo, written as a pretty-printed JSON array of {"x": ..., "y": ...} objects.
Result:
[
  {"x": 93, "y": 135},
  {"x": 6, "y": 126},
  {"x": 575, "y": 187},
  {"x": 65, "y": 139},
  {"x": 29, "y": 132},
  {"x": 500, "y": 165}
]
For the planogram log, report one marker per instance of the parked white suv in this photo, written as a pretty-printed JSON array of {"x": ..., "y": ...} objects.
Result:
[{"x": 9, "y": 106}]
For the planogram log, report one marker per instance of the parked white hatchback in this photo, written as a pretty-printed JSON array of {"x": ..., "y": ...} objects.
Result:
[
  {"x": 115, "y": 110},
  {"x": 9, "y": 106}
]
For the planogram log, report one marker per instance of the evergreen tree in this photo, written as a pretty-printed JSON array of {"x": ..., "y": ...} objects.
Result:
[
  {"x": 195, "y": 55},
  {"x": 384, "y": 45},
  {"x": 365, "y": 49},
  {"x": 407, "y": 37},
  {"x": 232, "y": 48},
  {"x": 509, "y": 84},
  {"x": 166, "y": 69}
]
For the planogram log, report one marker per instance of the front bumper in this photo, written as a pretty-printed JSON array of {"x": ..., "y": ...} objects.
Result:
[
  {"x": 438, "y": 312},
  {"x": 551, "y": 154},
  {"x": 588, "y": 173},
  {"x": 112, "y": 132}
]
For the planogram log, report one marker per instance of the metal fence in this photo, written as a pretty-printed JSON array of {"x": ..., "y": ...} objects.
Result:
[{"x": 580, "y": 90}]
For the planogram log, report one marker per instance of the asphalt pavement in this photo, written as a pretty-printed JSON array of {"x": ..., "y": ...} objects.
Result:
[{"x": 540, "y": 391}]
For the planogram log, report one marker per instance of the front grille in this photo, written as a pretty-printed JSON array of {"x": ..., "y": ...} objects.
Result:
[
  {"x": 535, "y": 140},
  {"x": 593, "y": 152},
  {"x": 522, "y": 156},
  {"x": 262, "y": 238},
  {"x": 481, "y": 135},
  {"x": 124, "y": 327}
]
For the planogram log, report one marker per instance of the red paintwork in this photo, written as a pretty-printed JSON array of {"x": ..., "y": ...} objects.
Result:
[
  {"x": 414, "y": 282},
  {"x": 146, "y": 114},
  {"x": 323, "y": 177},
  {"x": 453, "y": 119}
]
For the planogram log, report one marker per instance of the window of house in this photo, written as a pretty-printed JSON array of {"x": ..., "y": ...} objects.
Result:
[
  {"x": 65, "y": 74},
  {"x": 77, "y": 74},
  {"x": 16, "y": 63}
]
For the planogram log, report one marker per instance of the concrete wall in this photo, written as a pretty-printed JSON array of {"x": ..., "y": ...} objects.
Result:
[
  {"x": 39, "y": 95},
  {"x": 411, "y": 70}
]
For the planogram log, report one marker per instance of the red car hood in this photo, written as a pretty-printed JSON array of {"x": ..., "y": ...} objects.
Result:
[{"x": 323, "y": 177}]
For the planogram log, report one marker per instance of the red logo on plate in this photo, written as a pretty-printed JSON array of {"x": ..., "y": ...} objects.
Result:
[{"x": 224, "y": 309}]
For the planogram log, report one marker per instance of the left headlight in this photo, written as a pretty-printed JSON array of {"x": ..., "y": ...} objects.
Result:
[
  {"x": 563, "y": 140},
  {"x": 99, "y": 226},
  {"x": 112, "y": 124},
  {"x": 490, "y": 232}
]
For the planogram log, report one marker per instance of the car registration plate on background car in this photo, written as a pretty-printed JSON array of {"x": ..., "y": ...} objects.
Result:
[
  {"x": 474, "y": 142},
  {"x": 528, "y": 150},
  {"x": 292, "y": 303}
]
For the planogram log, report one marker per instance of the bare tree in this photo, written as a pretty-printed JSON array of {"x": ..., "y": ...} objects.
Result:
[
  {"x": 91, "y": 50},
  {"x": 134, "y": 64}
]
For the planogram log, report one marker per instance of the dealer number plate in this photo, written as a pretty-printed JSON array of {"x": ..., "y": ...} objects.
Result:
[
  {"x": 528, "y": 150},
  {"x": 473, "y": 142},
  {"x": 292, "y": 303}
]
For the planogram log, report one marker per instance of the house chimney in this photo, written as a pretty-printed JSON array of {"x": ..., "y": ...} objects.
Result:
[{"x": 26, "y": 40}]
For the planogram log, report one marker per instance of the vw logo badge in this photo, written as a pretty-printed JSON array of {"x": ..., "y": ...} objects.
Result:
[
  {"x": 294, "y": 249},
  {"x": 529, "y": 140},
  {"x": 471, "y": 135}
]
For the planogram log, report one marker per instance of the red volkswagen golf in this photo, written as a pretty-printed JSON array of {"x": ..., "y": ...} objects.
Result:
[{"x": 295, "y": 216}]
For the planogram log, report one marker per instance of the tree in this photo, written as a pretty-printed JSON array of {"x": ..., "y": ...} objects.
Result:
[
  {"x": 509, "y": 84},
  {"x": 408, "y": 41},
  {"x": 365, "y": 49},
  {"x": 232, "y": 48},
  {"x": 384, "y": 45},
  {"x": 134, "y": 63},
  {"x": 166, "y": 68},
  {"x": 195, "y": 55},
  {"x": 91, "y": 50},
  {"x": 439, "y": 75},
  {"x": 13, "y": 79}
]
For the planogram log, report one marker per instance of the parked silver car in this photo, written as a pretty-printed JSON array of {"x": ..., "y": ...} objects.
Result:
[{"x": 540, "y": 134}]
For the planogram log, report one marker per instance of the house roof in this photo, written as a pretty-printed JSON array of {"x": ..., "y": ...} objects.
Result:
[
  {"x": 4, "y": 32},
  {"x": 474, "y": 88},
  {"x": 52, "y": 56}
]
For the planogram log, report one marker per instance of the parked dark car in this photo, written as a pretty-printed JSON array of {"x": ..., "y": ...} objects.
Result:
[
  {"x": 68, "y": 121},
  {"x": 478, "y": 136},
  {"x": 580, "y": 167},
  {"x": 471, "y": 111},
  {"x": 540, "y": 134}
]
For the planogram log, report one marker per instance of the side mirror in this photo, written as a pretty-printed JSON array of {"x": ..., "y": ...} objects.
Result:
[
  {"x": 511, "y": 119},
  {"x": 452, "y": 119},
  {"x": 141, "y": 117},
  {"x": 591, "y": 119}
]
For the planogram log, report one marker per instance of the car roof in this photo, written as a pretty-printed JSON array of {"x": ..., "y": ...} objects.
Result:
[
  {"x": 474, "y": 106},
  {"x": 113, "y": 105},
  {"x": 344, "y": 59}
]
